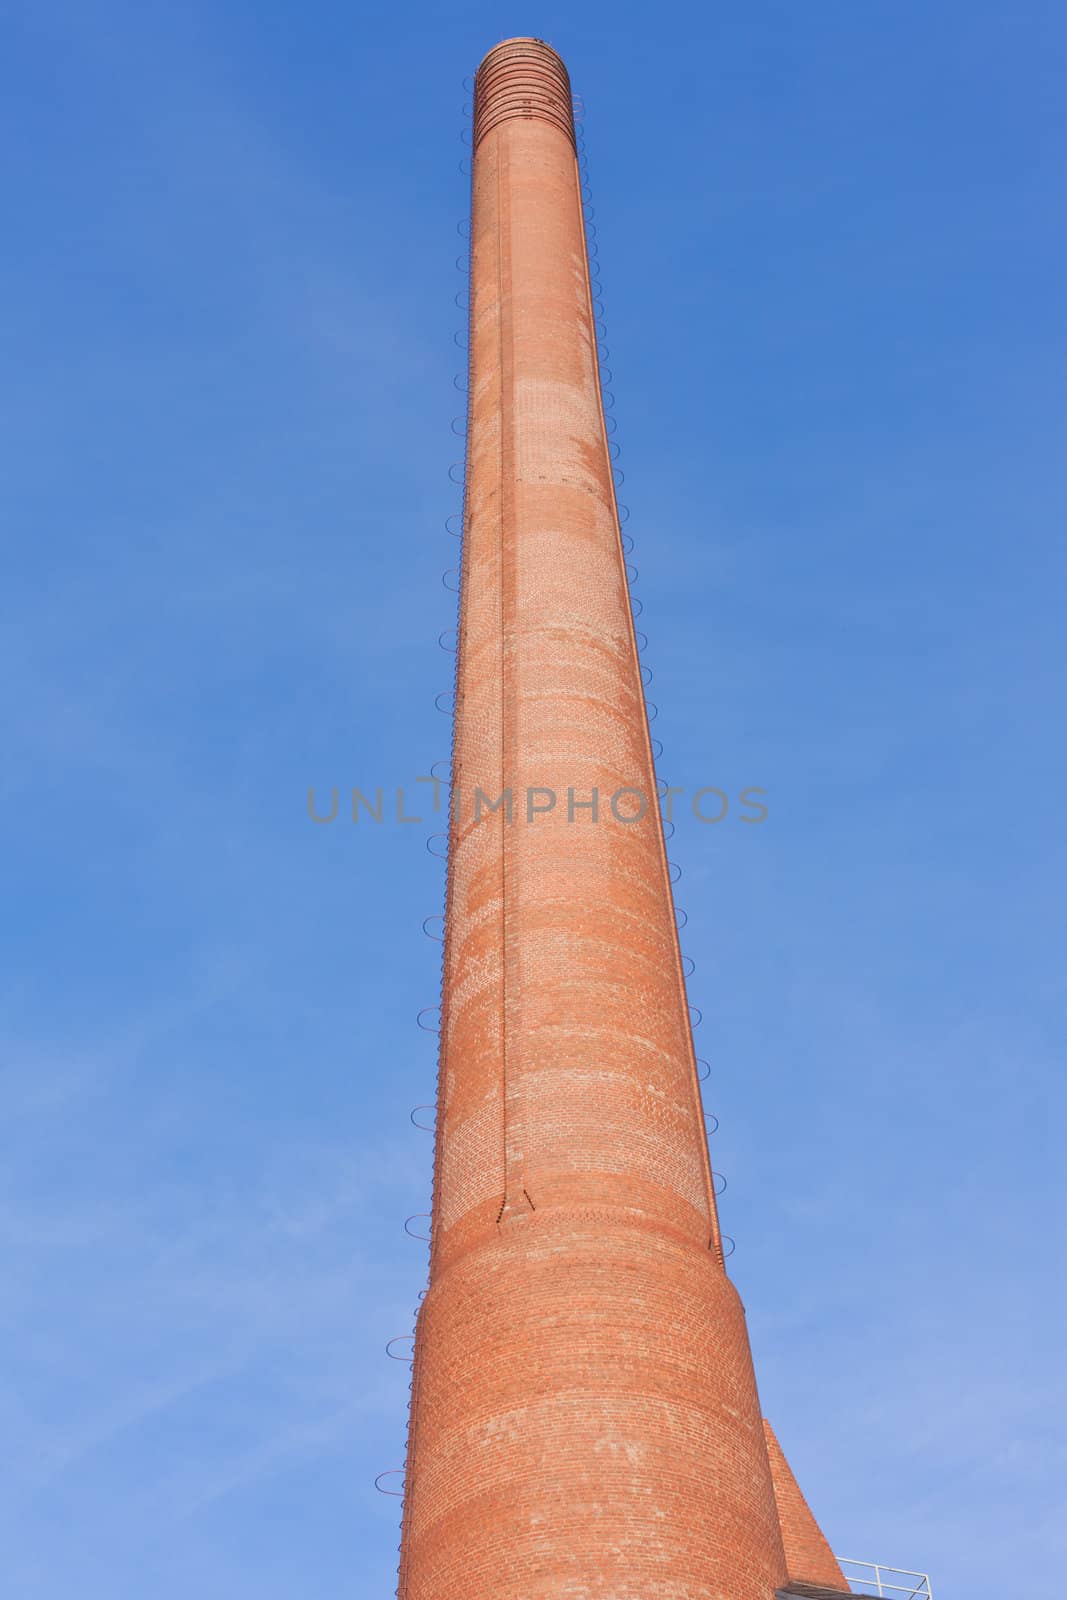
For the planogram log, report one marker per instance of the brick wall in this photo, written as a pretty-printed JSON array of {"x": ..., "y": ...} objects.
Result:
[{"x": 808, "y": 1557}]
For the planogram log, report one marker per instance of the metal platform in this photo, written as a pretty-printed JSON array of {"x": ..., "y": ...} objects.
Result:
[{"x": 866, "y": 1578}]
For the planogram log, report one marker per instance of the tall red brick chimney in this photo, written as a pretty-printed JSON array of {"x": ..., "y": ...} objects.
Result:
[{"x": 584, "y": 1415}]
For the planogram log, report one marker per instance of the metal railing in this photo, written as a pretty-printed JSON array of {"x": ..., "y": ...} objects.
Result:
[{"x": 895, "y": 1583}]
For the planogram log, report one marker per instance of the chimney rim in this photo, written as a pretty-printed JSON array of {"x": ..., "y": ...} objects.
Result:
[{"x": 521, "y": 39}]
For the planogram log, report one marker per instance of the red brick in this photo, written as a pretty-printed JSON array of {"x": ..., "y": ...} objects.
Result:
[{"x": 807, "y": 1554}]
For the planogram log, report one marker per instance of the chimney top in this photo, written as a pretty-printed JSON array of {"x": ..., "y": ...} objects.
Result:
[{"x": 522, "y": 78}]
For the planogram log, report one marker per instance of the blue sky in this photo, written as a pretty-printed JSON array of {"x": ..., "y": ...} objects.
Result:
[{"x": 832, "y": 240}]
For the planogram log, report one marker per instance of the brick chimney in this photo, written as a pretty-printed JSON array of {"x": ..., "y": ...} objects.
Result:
[{"x": 584, "y": 1415}]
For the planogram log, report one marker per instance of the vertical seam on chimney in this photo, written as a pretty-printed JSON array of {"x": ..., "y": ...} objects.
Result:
[
  {"x": 501, "y": 189},
  {"x": 511, "y": 709}
]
